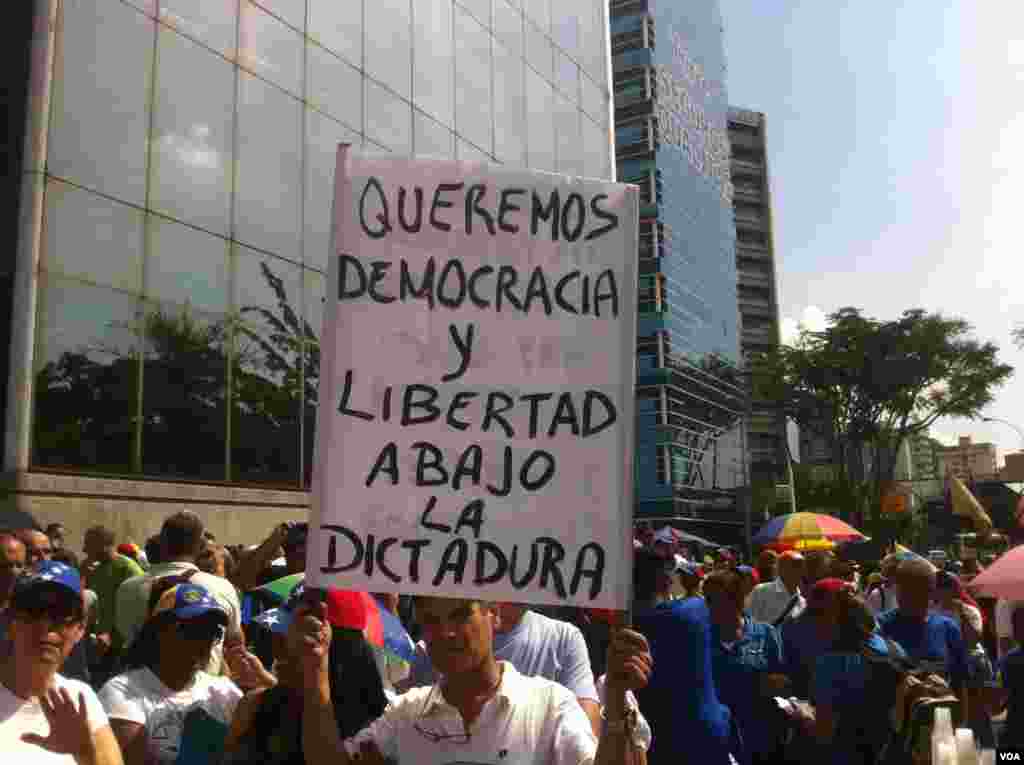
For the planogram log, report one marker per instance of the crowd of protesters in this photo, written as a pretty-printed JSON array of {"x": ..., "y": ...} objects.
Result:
[{"x": 172, "y": 653}]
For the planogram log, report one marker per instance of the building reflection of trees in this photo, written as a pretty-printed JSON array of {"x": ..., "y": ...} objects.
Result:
[{"x": 204, "y": 397}]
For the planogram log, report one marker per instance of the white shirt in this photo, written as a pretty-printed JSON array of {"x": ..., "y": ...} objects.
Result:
[
  {"x": 769, "y": 600},
  {"x": 19, "y": 716},
  {"x": 140, "y": 697},
  {"x": 133, "y": 600},
  {"x": 529, "y": 721}
]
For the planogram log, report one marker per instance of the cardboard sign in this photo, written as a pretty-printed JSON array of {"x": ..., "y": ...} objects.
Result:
[{"x": 475, "y": 432}]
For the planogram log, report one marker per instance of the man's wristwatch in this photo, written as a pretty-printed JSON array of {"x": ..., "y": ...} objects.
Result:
[{"x": 625, "y": 724}]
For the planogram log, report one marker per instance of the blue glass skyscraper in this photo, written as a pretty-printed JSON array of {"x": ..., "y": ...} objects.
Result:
[{"x": 671, "y": 113}]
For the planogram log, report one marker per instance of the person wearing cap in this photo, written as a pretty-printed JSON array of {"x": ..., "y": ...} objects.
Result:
[
  {"x": 851, "y": 719},
  {"x": 45, "y": 718},
  {"x": 108, "y": 570},
  {"x": 267, "y": 726},
  {"x": 181, "y": 543},
  {"x": 780, "y": 599},
  {"x": 808, "y": 636},
  {"x": 136, "y": 553},
  {"x": 482, "y": 710},
  {"x": 164, "y": 685}
]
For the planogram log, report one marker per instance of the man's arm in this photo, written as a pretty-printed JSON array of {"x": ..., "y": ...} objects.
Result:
[
  {"x": 629, "y": 669},
  {"x": 321, "y": 744},
  {"x": 253, "y": 564}
]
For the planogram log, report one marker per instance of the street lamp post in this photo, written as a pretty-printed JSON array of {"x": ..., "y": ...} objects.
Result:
[{"x": 1008, "y": 424}]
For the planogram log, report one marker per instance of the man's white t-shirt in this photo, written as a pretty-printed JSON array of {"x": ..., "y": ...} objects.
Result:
[
  {"x": 529, "y": 721},
  {"x": 20, "y": 716},
  {"x": 140, "y": 697}
]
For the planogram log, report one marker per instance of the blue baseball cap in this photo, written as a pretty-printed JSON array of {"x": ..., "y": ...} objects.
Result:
[
  {"x": 51, "y": 573},
  {"x": 188, "y": 601}
]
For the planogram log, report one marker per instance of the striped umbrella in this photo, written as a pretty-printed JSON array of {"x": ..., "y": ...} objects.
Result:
[{"x": 806, "y": 531}]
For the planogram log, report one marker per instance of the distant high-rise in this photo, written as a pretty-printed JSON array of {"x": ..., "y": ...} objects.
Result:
[
  {"x": 672, "y": 140},
  {"x": 756, "y": 289}
]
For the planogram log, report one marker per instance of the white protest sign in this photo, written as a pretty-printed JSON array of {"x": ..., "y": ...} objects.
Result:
[{"x": 475, "y": 431}]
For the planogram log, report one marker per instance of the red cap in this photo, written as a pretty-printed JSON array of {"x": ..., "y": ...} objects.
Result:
[
  {"x": 828, "y": 586},
  {"x": 128, "y": 548}
]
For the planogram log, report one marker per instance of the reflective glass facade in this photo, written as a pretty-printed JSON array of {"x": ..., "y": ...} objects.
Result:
[
  {"x": 186, "y": 194},
  {"x": 671, "y": 139}
]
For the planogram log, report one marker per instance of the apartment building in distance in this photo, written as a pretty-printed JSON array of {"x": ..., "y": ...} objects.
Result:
[
  {"x": 757, "y": 284},
  {"x": 968, "y": 460}
]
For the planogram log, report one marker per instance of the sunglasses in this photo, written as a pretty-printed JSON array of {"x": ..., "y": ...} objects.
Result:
[
  {"x": 435, "y": 736},
  {"x": 62, "y": 612},
  {"x": 201, "y": 631}
]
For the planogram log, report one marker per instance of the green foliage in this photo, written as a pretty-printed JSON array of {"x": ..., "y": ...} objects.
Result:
[{"x": 865, "y": 385}]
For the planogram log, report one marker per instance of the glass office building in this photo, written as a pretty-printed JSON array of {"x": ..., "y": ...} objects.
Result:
[
  {"x": 166, "y": 257},
  {"x": 671, "y": 139}
]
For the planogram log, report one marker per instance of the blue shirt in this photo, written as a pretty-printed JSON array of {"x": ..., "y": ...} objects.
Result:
[
  {"x": 840, "y": 681},
  {"x": 680, "y": 702},
  {"x": 1011, "y": 677},
  {"x": 738, "y": 668},
  {"x": 801, "y": 647},
  {"x": 935, "y": 644},
  {"x": 550, "y": 648}
]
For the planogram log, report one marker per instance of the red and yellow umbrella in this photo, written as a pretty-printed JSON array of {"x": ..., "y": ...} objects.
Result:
[{"x": 806, "y": 531}]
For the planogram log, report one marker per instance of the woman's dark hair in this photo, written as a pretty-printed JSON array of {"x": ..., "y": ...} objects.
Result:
[
  {"x": 356, "y": 692},
  {"x": 856, "y": 622}
]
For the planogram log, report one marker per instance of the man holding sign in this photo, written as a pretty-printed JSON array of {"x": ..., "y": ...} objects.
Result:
[
  {"x": 475, "y": 429},
  {"x": 483, "y": 712}
]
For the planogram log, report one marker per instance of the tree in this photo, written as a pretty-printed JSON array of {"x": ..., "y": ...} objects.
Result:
[{"x": 866, "y": 385}]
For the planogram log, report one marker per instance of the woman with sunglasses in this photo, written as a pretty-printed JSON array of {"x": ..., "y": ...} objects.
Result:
[
  {"x": 267, "y": 727},
  {"x": 164, "y": 700}
]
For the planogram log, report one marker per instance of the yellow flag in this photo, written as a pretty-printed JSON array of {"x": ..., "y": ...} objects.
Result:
[{"x": 967, "y": 505}]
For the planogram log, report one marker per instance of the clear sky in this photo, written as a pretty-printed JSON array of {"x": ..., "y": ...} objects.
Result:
[{"x": 896, "y": 151}]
